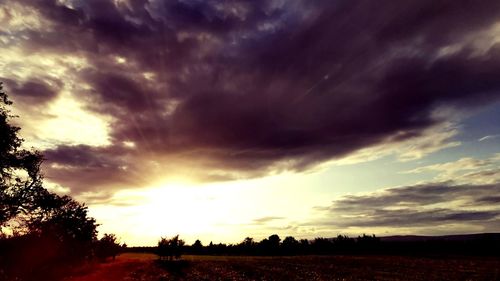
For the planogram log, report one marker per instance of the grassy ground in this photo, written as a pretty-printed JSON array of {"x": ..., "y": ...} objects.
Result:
[{"x": 145, "y": 267}]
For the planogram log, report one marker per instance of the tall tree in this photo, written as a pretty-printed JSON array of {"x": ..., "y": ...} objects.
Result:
[
  {"x": 20, "y": 177},
  {"x": 26, "y": 207}
]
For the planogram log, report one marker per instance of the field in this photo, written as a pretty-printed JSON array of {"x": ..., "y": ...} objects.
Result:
[{"x": 146, "y": 267}]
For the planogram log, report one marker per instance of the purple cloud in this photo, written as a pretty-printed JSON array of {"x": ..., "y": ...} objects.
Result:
[{"x": 245, "y": 88}]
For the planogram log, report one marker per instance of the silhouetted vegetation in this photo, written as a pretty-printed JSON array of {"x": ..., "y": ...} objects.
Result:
[
  {"x": 274, "y": 246},
  {"x": 107, "y": 247},
  {"x": 460, "y": 245},
  {"x": 21, "y": 190},
  {"x": 170, "y": 248},
  {"x": 41, "y": 233}
]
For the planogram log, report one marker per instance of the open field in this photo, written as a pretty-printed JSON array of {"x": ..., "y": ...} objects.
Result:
[{"x": 145, "y": 267}]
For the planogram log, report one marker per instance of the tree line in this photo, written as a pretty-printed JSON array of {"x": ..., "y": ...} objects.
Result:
[
  {"x": 274, "y": 246},
  {"x": 467, "y": 245},
  {"x": 41, "y": 233}
]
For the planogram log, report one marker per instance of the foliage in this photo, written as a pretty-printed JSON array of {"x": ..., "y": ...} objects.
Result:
[
  {"x": 20, "y": 177},
  {"x": 170, "y": 248},
  {"x": 107, "y": 246},
  {"x": 197, "y": 246},
  {"x": 38, "y": 229},
  {"x": 290, "y": 245},
  {"x": 273, "y": 246}
]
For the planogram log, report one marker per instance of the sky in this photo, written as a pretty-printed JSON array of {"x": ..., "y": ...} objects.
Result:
[{"x": 218, "y": 120}]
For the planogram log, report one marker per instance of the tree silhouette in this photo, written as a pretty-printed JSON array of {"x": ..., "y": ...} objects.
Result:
[
  {"x": 39, "y": 230},
  {"x": 20, "y": 177},
  {"x": 274, "y": 240},
  {"x": 248, "y": 242},
  {"x": 107, "y": 246},
  {"x": 197, "y": 247},
  {"x": 25, "y": 205},
  {"x": 170, "y": 248},
  {"x": 270, "y": 245},
  {"x": 290, "y": 245}
]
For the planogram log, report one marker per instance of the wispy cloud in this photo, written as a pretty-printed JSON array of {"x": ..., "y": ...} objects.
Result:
[
  {"x": 407, "y": 148},
  {"x": 466, "y": 170},
  {"x": 264, "y": 220},
  {"x": 416, "y": 208},
  {"x": 489, "y": 137}
]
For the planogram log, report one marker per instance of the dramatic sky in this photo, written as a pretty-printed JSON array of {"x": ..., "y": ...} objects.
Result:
[{"x": 223, "y": 119}]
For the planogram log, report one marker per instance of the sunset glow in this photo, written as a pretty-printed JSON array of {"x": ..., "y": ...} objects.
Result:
[{"x": 220, "y": 120}]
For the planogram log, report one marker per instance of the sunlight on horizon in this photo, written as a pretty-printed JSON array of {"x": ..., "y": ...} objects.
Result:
[{"x": 218, "y": 212}]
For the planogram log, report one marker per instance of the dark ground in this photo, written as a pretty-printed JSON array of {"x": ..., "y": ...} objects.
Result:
[{"x": 145, "y": 267}]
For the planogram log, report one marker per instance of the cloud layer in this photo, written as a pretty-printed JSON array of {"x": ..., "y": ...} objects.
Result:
[
  {"x": 218, "y": 90},
  {"x": 463, "y": 197},
  {"x": 416, "y": 209}
]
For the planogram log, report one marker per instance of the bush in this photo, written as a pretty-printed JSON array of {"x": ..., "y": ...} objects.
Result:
[
  {"x": 107, "y": 246},
  {"x": 170, "y": 248}
]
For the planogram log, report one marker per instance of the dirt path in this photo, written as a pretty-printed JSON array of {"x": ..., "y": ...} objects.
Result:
[{"x": 118, "y": 270}]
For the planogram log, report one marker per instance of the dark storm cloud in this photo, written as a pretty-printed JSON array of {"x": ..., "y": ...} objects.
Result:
[
  {"x": 31, "y": 91},
  {"x": 117, "y": 90},
  {"x": 490, "y": 199},
  {"x": 419, "y": 205},
  {"x": 245, "y": 88},
  {"x": 418, "y": 195},
  {"x": 86, "y": 168}
]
